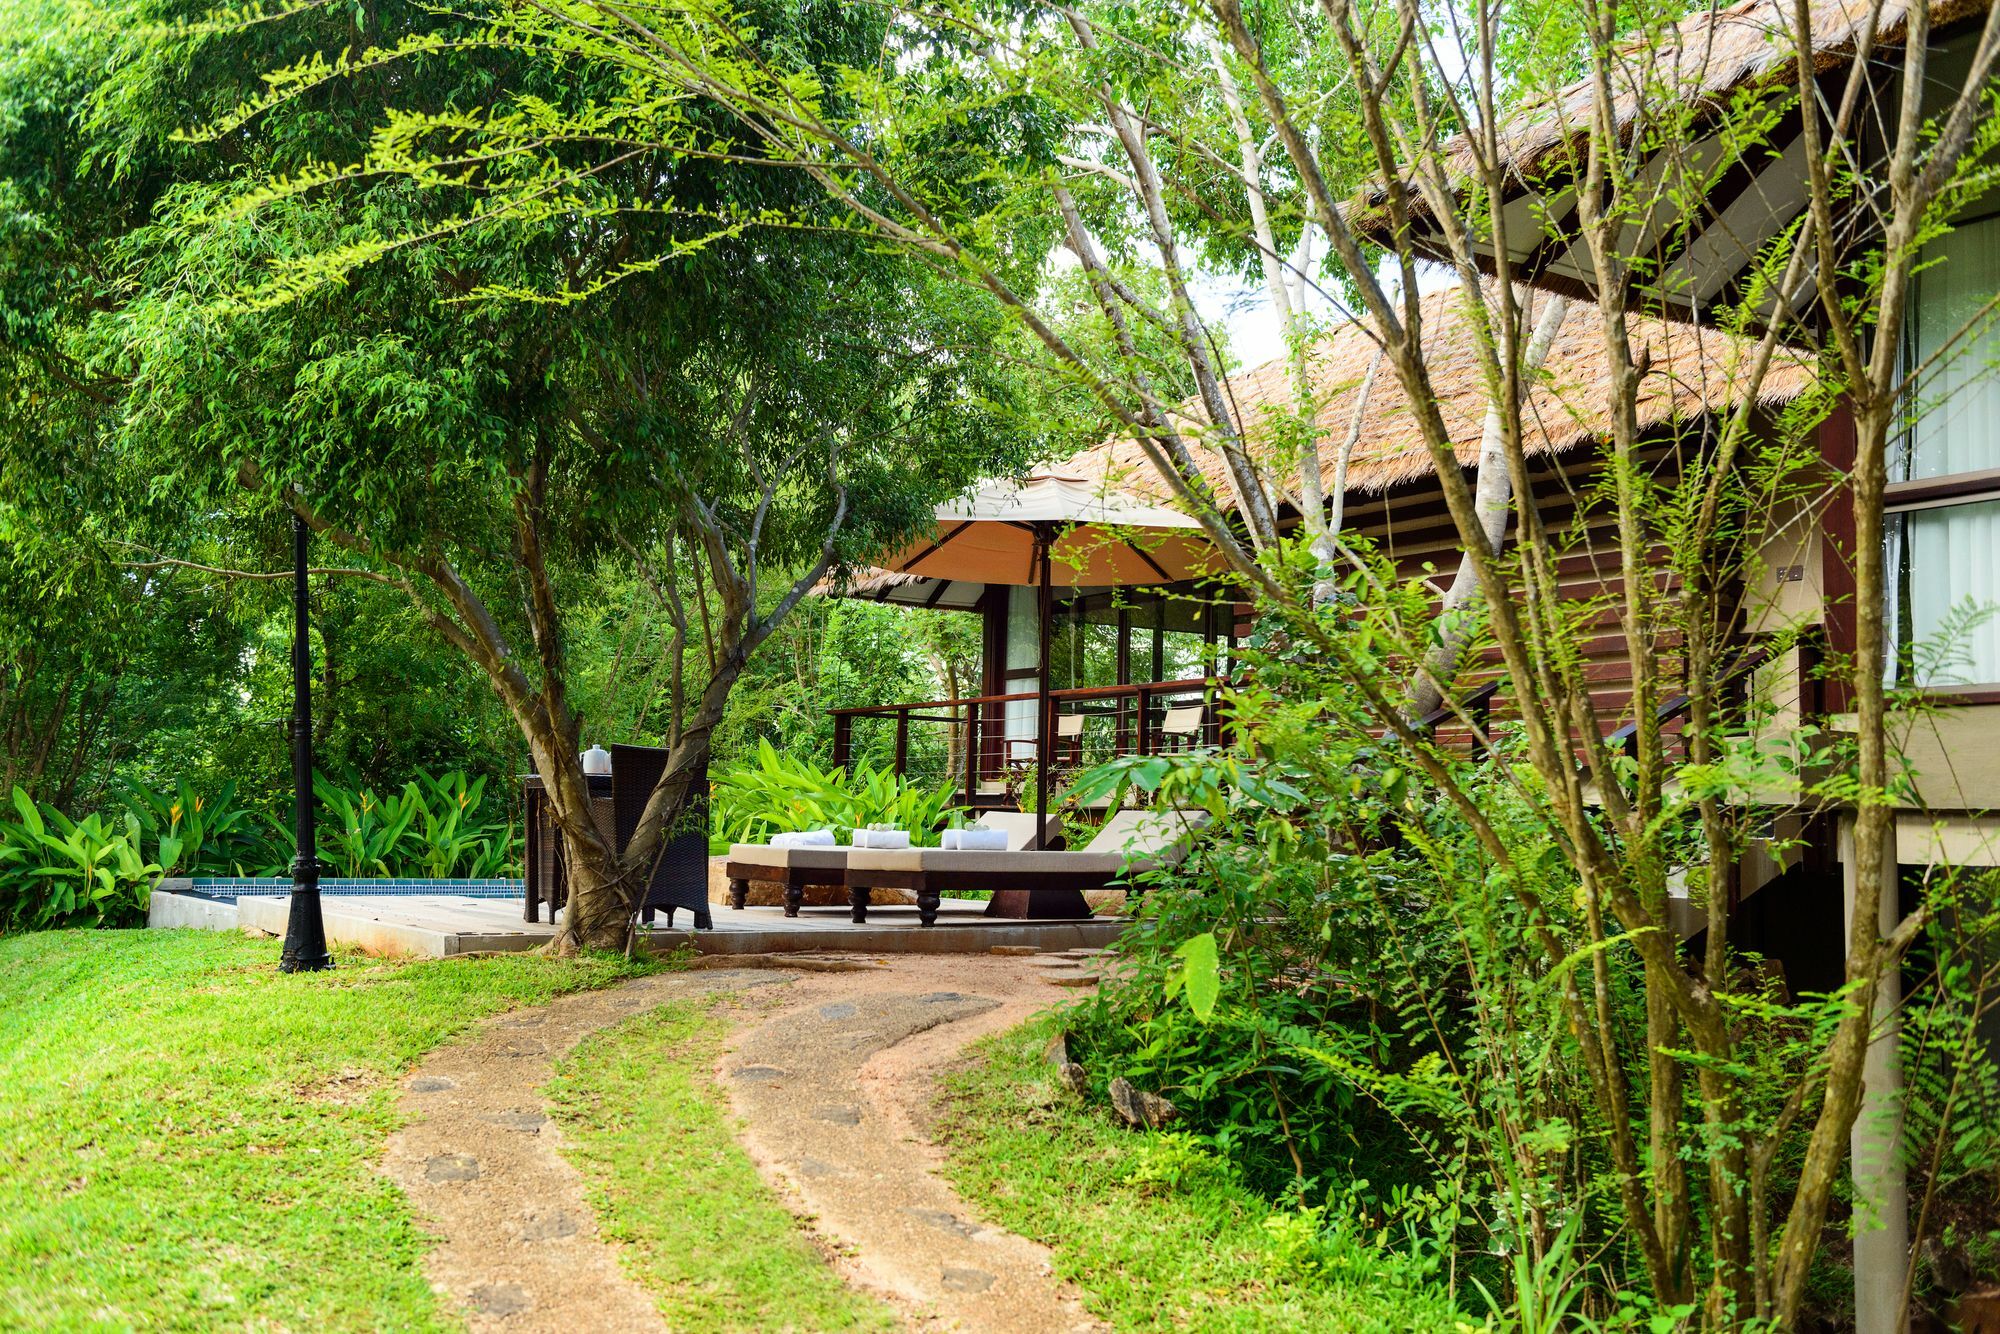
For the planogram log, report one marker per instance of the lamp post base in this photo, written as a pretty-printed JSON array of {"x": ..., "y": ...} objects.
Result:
[{"x": 305, "y": 931}]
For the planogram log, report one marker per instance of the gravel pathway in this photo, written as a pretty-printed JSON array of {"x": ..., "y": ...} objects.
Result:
[
  {"x": 832, "y": 1076},
  {"x": 835, "y": 1089},
  {"x": 518, "y": 1247}
]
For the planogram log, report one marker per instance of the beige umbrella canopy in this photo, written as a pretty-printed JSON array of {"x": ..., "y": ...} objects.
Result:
[
  {"x": 1050, "y": 530},
  {"x": 1093, "y": 538}
]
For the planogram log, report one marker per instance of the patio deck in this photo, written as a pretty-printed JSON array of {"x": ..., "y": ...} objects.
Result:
[{"x": 441, "y": 925}]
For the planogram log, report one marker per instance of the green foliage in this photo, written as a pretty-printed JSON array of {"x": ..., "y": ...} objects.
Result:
[
  {"x": 436, "y": 826},
  {"x": 55, "y": 871},
  {"x": 99, "y": 870},
  {"x": 192, "y": 833},
  {"x": 782, "y": 793},
  {"x": 1159, "y": 1229}
]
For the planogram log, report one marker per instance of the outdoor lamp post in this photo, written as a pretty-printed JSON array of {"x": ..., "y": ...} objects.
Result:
[{"x": 305, "y": 932}]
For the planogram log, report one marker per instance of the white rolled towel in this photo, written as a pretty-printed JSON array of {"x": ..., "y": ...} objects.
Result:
[
  {"x": 981, "y": 839},
  {"x": 888, "y": 838},
  {"x": 859, "y": 838},
  {"x": 804, "y": 838},
  {"x": 948, "y": 840}
]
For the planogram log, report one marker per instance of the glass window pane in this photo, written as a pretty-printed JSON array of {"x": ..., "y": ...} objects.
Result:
[
  {"x": 1958, "y": 409},
  {"x": 1946, "y": 605}
]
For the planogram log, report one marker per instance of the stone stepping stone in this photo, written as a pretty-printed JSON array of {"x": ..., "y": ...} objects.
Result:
[
  {"x": 758, "y": 1074},
  {"x": 966, "y": 1280},
  {"x": 430, "y": 1084},
  {"x": 839, "y": 1010},
  {"x": 451, "y": 1167},
  {"x": 549, "y": 1227},
  {"x": 837, "y": 1114},
  {"x": 944, "y": 1221},
  {"x": 1017, "y": 949},
  {"x": 1071, "y": 979},
  {"x": 501, "y": 1299},
  {"x": 529, "y": 1122},
  {"x": 1052, "y": 961}
]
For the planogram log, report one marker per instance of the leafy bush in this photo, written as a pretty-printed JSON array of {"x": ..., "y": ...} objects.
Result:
[
  {"x": 436, "y": 827},
  {"x": 784, "y": 794},
  {"x": 196, "y": 834},
  {"x": 55, "y": 871},
  {"x": 99, "y": 870}
]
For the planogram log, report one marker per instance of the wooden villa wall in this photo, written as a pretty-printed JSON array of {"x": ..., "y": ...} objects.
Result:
[{"x": 1410, "y": 523}]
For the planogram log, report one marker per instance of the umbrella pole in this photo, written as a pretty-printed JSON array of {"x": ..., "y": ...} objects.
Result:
[{"x": 1046, "y": 727}]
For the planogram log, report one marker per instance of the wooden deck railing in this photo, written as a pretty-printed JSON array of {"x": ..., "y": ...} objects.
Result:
[{"x": 981, "y": 749}]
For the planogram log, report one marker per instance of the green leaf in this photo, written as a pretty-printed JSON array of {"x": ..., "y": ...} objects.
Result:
[{"x": 1201, "y": 974}]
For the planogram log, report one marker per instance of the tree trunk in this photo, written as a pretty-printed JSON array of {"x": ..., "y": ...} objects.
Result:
[{"x": 1492, "y": 503}]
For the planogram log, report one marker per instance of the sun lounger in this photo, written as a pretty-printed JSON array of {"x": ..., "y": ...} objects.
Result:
[
  {"x": 796, "y": 868},
  {"x": 1026, "y": 884}
]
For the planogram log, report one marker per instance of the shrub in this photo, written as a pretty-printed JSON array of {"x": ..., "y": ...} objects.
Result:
[
  {"x": 784, "y": 794},
  {"x": 55, "y": 871}
]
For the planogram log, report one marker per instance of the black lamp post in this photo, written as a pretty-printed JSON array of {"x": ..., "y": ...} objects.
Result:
[{"x": 305, "y": 933}]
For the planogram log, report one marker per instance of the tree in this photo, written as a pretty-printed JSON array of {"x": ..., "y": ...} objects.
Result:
[{"x": 484, "y": 415}]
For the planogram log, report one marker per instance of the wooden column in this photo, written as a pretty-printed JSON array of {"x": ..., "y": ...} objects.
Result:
[{"x": 1046, "y": 729}]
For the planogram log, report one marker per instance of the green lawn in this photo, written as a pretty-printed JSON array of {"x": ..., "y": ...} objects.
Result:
[
  {"x": 1157, "y": 1233},
  {"x": 188, "y": 1138},
  {"x": 646, "y": 1126}
]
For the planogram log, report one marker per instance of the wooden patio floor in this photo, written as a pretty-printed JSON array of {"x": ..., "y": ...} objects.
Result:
[{"x": 438, "y": 925}]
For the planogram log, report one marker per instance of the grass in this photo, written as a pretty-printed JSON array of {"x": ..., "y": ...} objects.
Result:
[
  {"x": 646, "y": 1126},
  {"x": 190, "y": 1137},
  {"x": 1157, "y": 1232}
]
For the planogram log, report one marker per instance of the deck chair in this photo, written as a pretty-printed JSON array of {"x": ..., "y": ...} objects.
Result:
[
  {"x": 1181, "y": 728},
  {"x": 1069, "y": 736},
  {"x": 796, "y": 868},
  {"x": 1026, "y": 884}
]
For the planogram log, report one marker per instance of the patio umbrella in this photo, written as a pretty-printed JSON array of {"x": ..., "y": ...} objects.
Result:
[
  {"x": 1092, "y": 537},
  {"x": 1054, "y": 529}
]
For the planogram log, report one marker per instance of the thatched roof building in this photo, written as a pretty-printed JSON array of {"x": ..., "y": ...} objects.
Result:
[{"x": 1693, "y": 371}]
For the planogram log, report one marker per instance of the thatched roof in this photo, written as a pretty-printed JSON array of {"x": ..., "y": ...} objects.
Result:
[
  {"x": 1693, "y": 371},
  {"x": 1704, "y": 60}
]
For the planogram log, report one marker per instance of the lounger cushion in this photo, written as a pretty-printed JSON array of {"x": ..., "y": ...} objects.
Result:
[
  {"x": 801, "y": 859},
  {"x": 943, "y": 861},
  {"x": 1148, "y": 833}
]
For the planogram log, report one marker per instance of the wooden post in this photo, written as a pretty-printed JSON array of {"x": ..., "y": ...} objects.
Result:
[
  {"x": 1145, "y": 746},
  {"x": 902, "y": 741},
  {"x": 1119, "y": 727},
  {"x": 1046, "y": 728},
  {"x": 843, "y": 739},
  {"x": 971, "y": 752}
]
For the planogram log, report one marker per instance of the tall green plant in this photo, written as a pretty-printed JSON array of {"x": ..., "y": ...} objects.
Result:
[
  {"x": 781, "y": 793},
  {"x": 192, "y": 833},
  {"x": 55, "y": 871}
]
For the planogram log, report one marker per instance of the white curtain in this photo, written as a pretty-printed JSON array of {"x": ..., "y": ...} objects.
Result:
[
  {"x": 1944, "y": 562},
  {"x": 1024, "y": 650},
  {"x": 1948, "y": 595},
  {"x": 1958, "y": 400}
]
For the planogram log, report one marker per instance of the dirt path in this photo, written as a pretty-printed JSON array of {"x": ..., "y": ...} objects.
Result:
[
  {"x": 518, "y": 1246},
  {"x": 834, "y": 1090},
  {"x": 831, "y": 1076}
]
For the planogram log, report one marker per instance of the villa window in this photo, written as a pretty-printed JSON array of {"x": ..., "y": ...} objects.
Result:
[{"x": 1944, "y": 492}]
